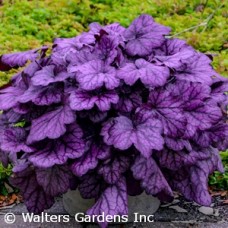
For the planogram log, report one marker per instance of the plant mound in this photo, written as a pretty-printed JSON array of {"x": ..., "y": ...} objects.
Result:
[{"x": 113, "y": 112}]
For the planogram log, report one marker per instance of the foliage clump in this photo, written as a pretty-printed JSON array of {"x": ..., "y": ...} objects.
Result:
[{"x": 113, "y": 112}]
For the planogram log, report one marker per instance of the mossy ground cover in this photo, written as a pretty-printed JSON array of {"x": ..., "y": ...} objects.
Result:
[{"x": 26, "y": 24}]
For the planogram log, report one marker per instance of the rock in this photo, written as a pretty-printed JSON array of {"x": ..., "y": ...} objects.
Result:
[
  {"x": 74, "y": 203},
  {"x": 206, "y": 210},
  {"x": 212, "y": 205},
  {"x": 175, "y": 201},
  {"x": 216, "y": 212},
  {"x": 196, "y": 204},
  {"x": 189, "y": 222},
  {"x": 178, "y": 209},
  {"x": 142, "y": 204}
]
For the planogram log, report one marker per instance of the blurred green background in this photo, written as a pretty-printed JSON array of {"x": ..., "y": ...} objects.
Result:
[{"x": 26, "y": 24}]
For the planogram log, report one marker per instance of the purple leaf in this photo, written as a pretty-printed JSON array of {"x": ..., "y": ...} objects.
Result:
[
  {"x": 34, "y": 66},
  {"x": 9, "y": 97},
  {"x": 21, "y": 165},
  {"x": 144, "y": 133},
  {"x": 35, "y": 198},
  {"x": 112, "y": 170},
  {"x": 174, "y": 46},
  {"x": 175, "y": 52},
  {"x": 177, "y": 144},
  {"x": 143, "y": 35},
  {"x": 218, "y": 90},
  {"x": 51, "y": 125},
  {"x": 12, "y": 117},
  {"x": 91, "y": 186},
  {"x": 169, "y": 111},
  {"x": 76, "y": 59},
  {"x": 90, "y": 159},
  {"x": 19, "y": 59},
  {"x": 70, "y": 146},
  {"x": 49, "y": 74},
  {"x": 216, "y": 135},
  {"x": 40, "y": 95},
  {"x": 148, "y": 73},
  {"x": 55, "y": 180},
  {"x": 95, "y": 74},
  {"x": 14, "y": 140},
  {"x": 101, "y": 150},
  {"x": 175, "y": 160},
  {"x": 201, "y": 115},
  {"x": 192, "y": 182},
  {"x": 66, "y": 45},
  {"x": 189, "y": 91},
  {"x": 89, "y": 37},
  {"x": 85, "y": 100},
  {"x": 128, "y": 101},
  {"x": 114, "y": 29},
  {"x": 152, "y": 180},
  {"x": 4, "y": 158},
  {"x": 196, "y": 69},
  {"x": 112, "y": 202},
  {"x": 106, "y": 49},
  {"x": 84, "y": 164},
  {"x": 22, "y": 108}
]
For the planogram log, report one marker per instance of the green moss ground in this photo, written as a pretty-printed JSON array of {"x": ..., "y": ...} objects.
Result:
[{"x": 26, "y": 24}]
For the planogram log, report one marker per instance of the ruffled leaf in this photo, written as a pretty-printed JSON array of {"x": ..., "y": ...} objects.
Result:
[
  {"x": 40, "y": 95},
  {"x": 90, "y": 159},
  {"x": 196, "y": 69},
  {"x": 55, "y": 180},
  {"x": 169, "y": 111},
  {"x": 71, "y": 145},
  {"x": 9, "y": 97},
  {"x": 19, "y": 59},
  {"x": 148, "y": 73},
  {"x": 112, "y": 170},
  {"x": 51, "y": 125},
  {"x": 106, "y": 49},
  {"x": 91, "y": 186},
  {"x": 175, "y": 51},
  {"x": 85, "y": 100},
  {"x": 152, "y": 180},
  {"x": 122, "y": 132},
  {"x": 192, "y": 181},
  {"x": 35, "y": 198},
  {"x": 143, "y": 35},
  {"x": 49, "y": 74},
  {"x": 95, "y": 74},
  {"x": 175, "y": 160},
  {"x": 14, "y": 140},
  {"x": 112, "y": 202}
]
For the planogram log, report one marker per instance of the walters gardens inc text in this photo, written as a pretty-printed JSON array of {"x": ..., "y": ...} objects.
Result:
[{"x": 44, "y": 217}]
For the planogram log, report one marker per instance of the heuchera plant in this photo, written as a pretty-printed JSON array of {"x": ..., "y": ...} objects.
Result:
[{"x": 113, "y": 112}]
